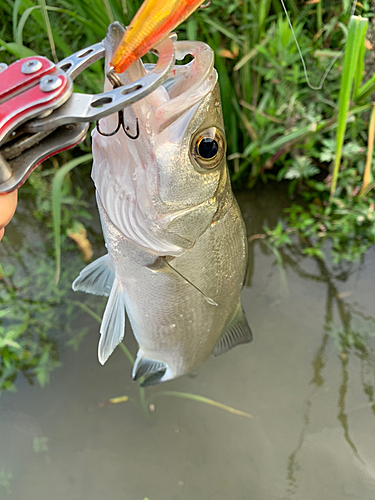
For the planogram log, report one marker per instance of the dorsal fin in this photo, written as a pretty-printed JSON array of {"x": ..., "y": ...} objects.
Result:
[
  {"x": 96, "y": 278},
  {"x": 237, "y": 332}
]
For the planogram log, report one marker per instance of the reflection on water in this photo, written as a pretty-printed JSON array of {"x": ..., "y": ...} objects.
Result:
[
  {"x": 351, "y": 342},
  {"x": 308, "y": 379}
]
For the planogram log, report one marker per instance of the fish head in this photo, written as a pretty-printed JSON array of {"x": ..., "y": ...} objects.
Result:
[{"x": 163, "y": 189}]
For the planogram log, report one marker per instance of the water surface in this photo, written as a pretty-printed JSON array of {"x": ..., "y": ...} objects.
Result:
[{"x": 307, "y": 378}]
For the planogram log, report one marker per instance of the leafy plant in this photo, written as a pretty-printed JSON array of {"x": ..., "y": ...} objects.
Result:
[
  {"x": 24, "y": 345},
  {"x": 270, "y": 109},
  {"x": 346, "y": 223},
  {"x": 345, "y": 218},
  {"x": 34, "y": 314}
]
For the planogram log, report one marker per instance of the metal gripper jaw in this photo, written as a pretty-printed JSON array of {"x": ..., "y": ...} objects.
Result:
[{"x": 40, "y": 115}]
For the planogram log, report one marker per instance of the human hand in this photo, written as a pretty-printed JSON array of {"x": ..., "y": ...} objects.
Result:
[{"x": 8, "y": 204}]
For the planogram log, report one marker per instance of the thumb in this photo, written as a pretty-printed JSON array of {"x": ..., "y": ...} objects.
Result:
[{"x": 8, "y": 204}]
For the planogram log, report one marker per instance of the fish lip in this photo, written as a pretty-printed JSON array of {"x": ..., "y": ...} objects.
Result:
[{"x": 203, "y": 64}]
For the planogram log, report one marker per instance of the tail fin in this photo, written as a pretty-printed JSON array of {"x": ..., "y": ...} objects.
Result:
[{"x": 152, "y": 370}]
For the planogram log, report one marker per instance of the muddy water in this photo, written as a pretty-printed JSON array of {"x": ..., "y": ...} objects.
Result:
[{"x": 307, "y": 379}]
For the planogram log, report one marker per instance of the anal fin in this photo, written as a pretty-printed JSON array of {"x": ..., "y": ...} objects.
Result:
[
  {"x": 96, "y": 278},
  {"x": 236, "y": 332}
]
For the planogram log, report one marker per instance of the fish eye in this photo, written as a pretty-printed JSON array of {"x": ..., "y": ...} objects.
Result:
[{"x": 208, "y": 148}]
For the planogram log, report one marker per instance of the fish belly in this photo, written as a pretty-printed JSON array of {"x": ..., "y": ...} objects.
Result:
[{"x": 171, "y": 320}]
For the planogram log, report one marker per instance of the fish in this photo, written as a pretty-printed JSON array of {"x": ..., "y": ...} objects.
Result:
[
  {"x": 176, "y": 239},
  {"x": 153, "y": 21}
]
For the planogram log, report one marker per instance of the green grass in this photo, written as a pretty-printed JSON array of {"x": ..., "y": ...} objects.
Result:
[
  {"x": 351, "y": 74},
  {"x": 278, "y": 118},
  {"x": 56, "y": 207},
  {"x": 266, "y": 100}
]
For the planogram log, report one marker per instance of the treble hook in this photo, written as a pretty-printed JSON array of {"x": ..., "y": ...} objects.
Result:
[
  {"x": 120, "y": 124},
  {"x": 110, "y": 133},
  {"x": 116, "y": 82},
  {"x": 126, "y": 128}
]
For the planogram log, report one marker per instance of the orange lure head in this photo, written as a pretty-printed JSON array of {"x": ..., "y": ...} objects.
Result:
[{"x": 154, "y": 21}]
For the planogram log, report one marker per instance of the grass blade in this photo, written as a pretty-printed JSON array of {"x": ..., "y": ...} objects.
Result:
[
  {"x": 370, "y": 149},
  {"x": 366, "y": 90},
  {"x": 85, "y": 308},
  {"x": 56, "y": 204},
  {"x": 114, "y": 401},
  {"x": 16, "y": 8},
  {"x": 356, "y": 35},
  {"x": 202, "y": 399},
  {"x": 319, "y": 17},
  {"x": 108, "y": 10},
  {"x": 126, "y": 352},
  {"x": 16, "y": 49},
  {"x": 18, "y": 38},
  {"x": 250, "y": 55},
  {"x": 360, "y": 66},
  {"x": 222, "y": 29},
  {"x": 43, "y": 5}
]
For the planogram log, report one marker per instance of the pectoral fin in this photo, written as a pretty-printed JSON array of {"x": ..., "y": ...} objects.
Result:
[
  {"x": 151, "y": 369},
  {"x": 96, "y": 278},
  {"x": 236, "y": 333},
  {"x": 112, "y": 329}
]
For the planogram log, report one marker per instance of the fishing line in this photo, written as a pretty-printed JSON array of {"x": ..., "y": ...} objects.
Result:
[
  {"x": 325, "y": 74},
  {"x": 207, "y": 298}
]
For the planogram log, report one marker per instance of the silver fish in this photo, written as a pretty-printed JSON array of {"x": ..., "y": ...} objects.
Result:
[{"x": 176, "y": 240}]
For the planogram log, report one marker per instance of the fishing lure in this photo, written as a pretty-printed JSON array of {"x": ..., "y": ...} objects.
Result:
[{"x": 154, "y": 21}]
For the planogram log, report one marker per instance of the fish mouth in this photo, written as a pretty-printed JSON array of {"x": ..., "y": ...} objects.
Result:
[{"x": 186, "y": 85}]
